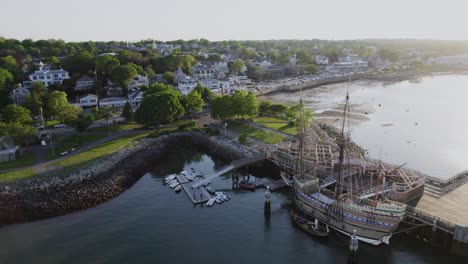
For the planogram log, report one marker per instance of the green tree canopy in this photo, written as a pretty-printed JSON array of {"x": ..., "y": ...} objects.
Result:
[
  {"x": 19, "y": 132},
  {"x": 82, "y": 63},
  {"x": 169, "y": 77},
  {"x": 10, "y": 64},
  {"x": 35, "y": 101},
  {"x": 104, "y": 66},
  {"x": 237, "y": 66},
  {"x": 122, "y": 74},
  {"x": 127, "y": 112},
  {"x": 193, "y": 102},
  {"x": 6, "y": 79},
  {"x": 158, "y": 87},
  {"x": 205, "y": 93},
  {"x": 14, "y": 113},
  {"x": 159, "y": 108},
  {"x": 264, "y": 107},
  {"x": 251, "y": 104},
  {"x": 83, "y": 121}
]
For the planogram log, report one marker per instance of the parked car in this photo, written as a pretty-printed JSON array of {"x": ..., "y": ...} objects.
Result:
[{"x": 59, "y": 125}]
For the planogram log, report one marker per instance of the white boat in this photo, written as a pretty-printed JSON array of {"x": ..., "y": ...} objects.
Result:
[
  {"x": 210, "y": 202},
  {"x": 171, "y": 182},
  {"x": 218, "y": 200},
  {"x": 178, "y": 188},
  {"x": 174, "y": 184},
  {"x": 170, "y": 177}
]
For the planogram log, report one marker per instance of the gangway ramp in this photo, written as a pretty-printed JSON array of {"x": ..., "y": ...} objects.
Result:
[{"x": 231, "y": 166}]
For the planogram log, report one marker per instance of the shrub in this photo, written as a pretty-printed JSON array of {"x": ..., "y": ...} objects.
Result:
[
  {"x": 212, "y": 131},
  {"x": 187, "y": 126},
  {"x": 243, "y": 138}
]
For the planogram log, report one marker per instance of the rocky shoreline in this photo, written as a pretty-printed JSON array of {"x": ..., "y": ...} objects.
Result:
[{"x": 52, "y": 196}]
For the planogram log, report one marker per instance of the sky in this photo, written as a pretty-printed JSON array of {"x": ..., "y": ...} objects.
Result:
[{"x": 133, "y": 20}]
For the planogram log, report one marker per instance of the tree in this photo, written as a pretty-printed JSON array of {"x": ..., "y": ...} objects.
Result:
[
  {"x": 82, "y": 63},
  {"x": 158, "y": 87},
  {"x": 205, "y": 93},
  {"x": 311, "y": 68},
  {"x": 19, "y": 132},
  {"x": 104, "y": 66},
  {"x": 193, "y": 102},
  {"x": 264, "y": 107},
  {"x": 83, "y": 121},
  {"x": 54, "y": 62},
  {"x": 55, "y": 103},
  {"x": 237, "y": 66},
  {"x": 69, "y": 115},
  {"x": 222, "y": 107},
  {"x": 278, "y": 109},
  {"x": 122, "y": 74},
  {"x": 159, "y": 108},
  {"x": 15, "y": 113},
  {"x": 10, "y": 64},
  {"x": 251, "y": 104},
  {"x": 169, "y": 77},
  {"x": 35, "y": 101},
  {"x": 6, "y": 78},
  {"x": 387, "y": 54},
  {"x": 127, "y": 112},
  {"x": 104, "y": 113}
]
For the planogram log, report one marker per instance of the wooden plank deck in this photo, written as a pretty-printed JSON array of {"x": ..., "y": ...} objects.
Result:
[
  {"x": 452, "y": 207},
  {"x": 196, "y": 195}
]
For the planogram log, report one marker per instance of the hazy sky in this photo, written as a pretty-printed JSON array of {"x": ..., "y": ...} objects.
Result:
[{"x": 81, "y": 20}]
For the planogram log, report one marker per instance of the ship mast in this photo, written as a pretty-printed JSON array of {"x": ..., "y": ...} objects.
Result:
[
  {"x": 301, "y": 137},
  {"x": 342, "y": 145}
]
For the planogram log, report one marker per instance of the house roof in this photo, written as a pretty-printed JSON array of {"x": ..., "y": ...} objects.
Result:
[
  {"x": 113, "y": 99},
  {"x": 89, "y": 95}
]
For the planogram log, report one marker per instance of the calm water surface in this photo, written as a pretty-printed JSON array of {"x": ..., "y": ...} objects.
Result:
[
  {"x": 149, "y": 223},
  {"x": 424, "y": 124}
]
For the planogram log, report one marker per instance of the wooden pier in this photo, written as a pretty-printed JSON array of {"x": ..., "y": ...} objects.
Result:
[{"x": 196, "y": 195}]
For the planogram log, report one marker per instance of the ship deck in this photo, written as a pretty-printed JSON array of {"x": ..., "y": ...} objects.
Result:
[{"x": 452, "y": 207}]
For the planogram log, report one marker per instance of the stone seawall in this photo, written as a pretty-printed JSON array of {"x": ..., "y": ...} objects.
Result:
[{"x": 51, "y": 196}]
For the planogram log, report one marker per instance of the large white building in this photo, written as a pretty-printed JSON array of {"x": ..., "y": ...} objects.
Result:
[
  {"x": 203, "y": 72},
  {"x": 186, "y": 85},
  {"x": 47, "y": 76},
  {"x": 113, "y": 102},
  {"x": 321, "y": 60}
]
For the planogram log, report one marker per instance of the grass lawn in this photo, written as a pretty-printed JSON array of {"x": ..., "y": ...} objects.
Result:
[
  {"x": 79, "y": 160},
  {"x": 276, "y": 123},
  {"x": 115, "y": 127},
  {"x": 52, "y": 123},
  {"x": 252, "y": 132},
  {"x": 82, "y": 159},
  {"x": 22, "y": 162},
  {"x": 72, "y": 141}
]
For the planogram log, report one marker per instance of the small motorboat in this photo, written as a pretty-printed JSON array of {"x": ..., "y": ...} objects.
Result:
[
  {"x": 314, "y": 228},
  {"x": 218, "y": 200},
  {"x": 247, "y": 185},
  {"x": 210, "y": 202},
  {"x": 174, "y": 184},
  {"x": 178, "y": 188},
  {"x": 170, "y": 177},
  {"x": 210, "y": 190},
  {"x": 171, "y": 182}
]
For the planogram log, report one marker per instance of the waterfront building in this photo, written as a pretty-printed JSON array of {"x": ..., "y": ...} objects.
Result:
[
  {"x": 211, "y": 83},
  {"x": 18, "y": 95},
  {"x": 84, "y": 83},
  {"x": 89, "y": 100},
  {"x": 202, "y": 72},
  {"x": 47, "y": 76}
]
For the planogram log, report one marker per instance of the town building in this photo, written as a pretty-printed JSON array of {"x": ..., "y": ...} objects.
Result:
[
  {"x": 18, "y": 95},
  {"x": 202, "y": 72},
  {"x": 292, "y": 59},
  {"x": 185, "y": 86},
  {"x": 135, "y": 98},
  {"x": 89, "y": 100},
  {"x": 113, "y": 90},
  {"x": 321, "y": 60},
  {"x": 211, "y": 83},
  {"x": 47, "y": 76},
  {"x": 113, "y": 102},
  {"x": 179, "y": 75},
  {"x": 84, "y": 83},
  {"x": 167, "y": 49},
  {"x": 138, "y": 81}
]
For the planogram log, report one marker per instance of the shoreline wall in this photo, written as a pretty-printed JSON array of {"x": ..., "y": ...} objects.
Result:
[{"x": 53, "y": 196}]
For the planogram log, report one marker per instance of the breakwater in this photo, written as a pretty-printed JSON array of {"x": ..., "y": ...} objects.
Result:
[{"x": 51, "y": 196}]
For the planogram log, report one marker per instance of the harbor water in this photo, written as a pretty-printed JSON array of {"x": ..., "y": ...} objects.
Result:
[
  {"x": 423, "y": 124},
  {"x": 150, "y": 223}
]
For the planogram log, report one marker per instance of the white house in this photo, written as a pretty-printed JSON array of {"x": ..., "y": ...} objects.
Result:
[
  {"x": 84, "y": 83},
  {"x": 18, "y": 95},
  {"x": 167, "y": 49},
  {"x": 135, "y": 98},
  {"x": 114, "y": 102},
  {"x": 321, "y": 60},
  {"x": 211, "y": 83},
  {"x": 138, "y": 81},
  {"x": 89, "y": 100},
  {"x": 241, "y": 80},
  {"x": 113, "y": 90},
  {"x": 202, "y": 72},
  {"x": 47, "y": 76},
  {"x": 185, "y": 86},
  {"x": 179, "y": 75},
  {"x": 292, "y": 59}
]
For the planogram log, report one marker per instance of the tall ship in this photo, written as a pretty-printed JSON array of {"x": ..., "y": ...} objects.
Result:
[{"x": 335, "y": 186}]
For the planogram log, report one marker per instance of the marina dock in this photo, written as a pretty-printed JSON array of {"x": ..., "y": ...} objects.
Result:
[{"x": 196, "y": 195}]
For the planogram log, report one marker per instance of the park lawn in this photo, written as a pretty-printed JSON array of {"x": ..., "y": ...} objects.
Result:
[
  {"x": 72, "y": 141},
  {"x": 276, "y": 123},
  {"x": 15, "y": 175},
  {"x": 111, "y": 128},
  {"x": 269, "y": 138},
  {"x": 52, "y": 123},
  {"x": 24, "y": 161},
  {"x": 87, "y": 157}
]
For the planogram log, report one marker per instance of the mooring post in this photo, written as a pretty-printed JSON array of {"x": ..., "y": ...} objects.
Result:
[
  {"x": 267, "y": 208},
  {"x": 353, "y": 247}
]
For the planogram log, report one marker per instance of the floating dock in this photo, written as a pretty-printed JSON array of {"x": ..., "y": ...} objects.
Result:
[{"x": 196, "y": 195}]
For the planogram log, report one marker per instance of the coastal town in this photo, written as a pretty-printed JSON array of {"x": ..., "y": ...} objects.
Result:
[{"x": 81, "y": 122}]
